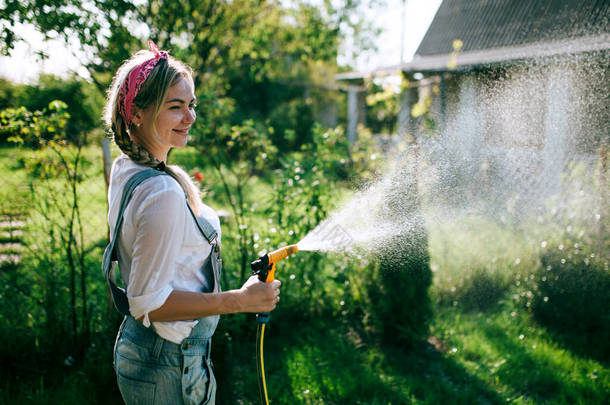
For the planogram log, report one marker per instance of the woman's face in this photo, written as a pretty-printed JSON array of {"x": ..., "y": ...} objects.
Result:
[{"x": 175, "y": 118}]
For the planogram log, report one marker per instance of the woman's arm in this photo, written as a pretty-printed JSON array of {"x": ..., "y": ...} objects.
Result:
[{"x": 253, "y": 296}]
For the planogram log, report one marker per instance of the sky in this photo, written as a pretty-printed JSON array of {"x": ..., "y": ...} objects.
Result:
[
  {"x": 23, "y": 66},
  {"x": 418, "y": 15}
]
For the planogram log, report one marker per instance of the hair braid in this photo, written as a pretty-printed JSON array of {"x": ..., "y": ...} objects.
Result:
[{"x": 135, "y": 152}]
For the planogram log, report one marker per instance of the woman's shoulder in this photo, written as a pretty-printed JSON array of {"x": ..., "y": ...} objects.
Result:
[{"x": 124, "y": 168}]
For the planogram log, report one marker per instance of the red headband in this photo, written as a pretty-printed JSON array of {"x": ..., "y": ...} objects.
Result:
[{"x": 132, "y": 84}]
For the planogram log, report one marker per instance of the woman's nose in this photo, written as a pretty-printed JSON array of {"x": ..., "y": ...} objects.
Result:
[{"x": 190, "y": 115}]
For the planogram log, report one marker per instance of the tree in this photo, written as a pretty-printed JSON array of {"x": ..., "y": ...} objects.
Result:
[{"x": 255, "y": 54}]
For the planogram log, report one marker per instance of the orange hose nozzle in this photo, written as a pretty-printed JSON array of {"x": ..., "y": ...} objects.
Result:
[{"x": 282, "y": 253}]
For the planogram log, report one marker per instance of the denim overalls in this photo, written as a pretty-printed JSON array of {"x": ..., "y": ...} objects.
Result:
[{"x": 150, "y": 369}]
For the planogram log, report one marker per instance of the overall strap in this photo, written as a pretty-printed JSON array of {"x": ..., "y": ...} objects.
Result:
[
  {"x": 119, "y": 296},
  {"x": 206, "y": 229}
]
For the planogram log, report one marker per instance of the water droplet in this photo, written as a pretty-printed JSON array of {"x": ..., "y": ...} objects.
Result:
[
  {"x": 69, "y": 361},
  {"x": 292, "y": 276},
  {"x": 521, "y": 337},
  {"x": 454, "y": 350}
]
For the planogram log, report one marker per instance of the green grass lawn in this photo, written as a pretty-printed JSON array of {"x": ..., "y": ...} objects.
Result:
[{"x": 494, "y": 357}]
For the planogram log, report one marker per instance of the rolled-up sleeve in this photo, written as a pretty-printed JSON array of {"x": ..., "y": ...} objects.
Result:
[{"x": 160, "y": 228}]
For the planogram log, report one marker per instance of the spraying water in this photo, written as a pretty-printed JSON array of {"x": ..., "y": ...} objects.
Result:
[{"x": 505, "y": 144}]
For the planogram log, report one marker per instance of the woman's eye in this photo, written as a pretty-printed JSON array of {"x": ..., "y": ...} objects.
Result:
[{"x": 175, "y": 107}]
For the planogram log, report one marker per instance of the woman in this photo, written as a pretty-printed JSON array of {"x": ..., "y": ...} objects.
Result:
[{"x": 168, "y": 245}]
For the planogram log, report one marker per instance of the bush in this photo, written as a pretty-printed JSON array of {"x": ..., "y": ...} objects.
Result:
[
  {"x": 23, "y": 127},
  {"x": 399, "y": 291},
  {"x": 478, "y": 290},
  {"x": 82, "y": 101},
  {"x": 293, "y": 123},
  {"x": 572, "y": 294},
  {"x": 571, "y": 290}
]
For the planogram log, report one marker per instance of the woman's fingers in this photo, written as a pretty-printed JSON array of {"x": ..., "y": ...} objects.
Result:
[{"x": 260, "y": 296}]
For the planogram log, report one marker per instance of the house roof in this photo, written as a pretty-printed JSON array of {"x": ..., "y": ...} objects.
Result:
[
  {"x": 491, "y": 24},
  {"x": 503, "y": 31}
]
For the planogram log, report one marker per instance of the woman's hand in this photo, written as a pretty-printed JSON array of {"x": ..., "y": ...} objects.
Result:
[{"x": 257, "y": 296}]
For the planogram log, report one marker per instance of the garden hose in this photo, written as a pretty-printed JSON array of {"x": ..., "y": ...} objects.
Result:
[
  {"x": 260, "y": 363},
  {"x": 264, "y": 268}
]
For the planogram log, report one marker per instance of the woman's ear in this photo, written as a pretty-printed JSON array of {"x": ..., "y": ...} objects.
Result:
[{"x": 136, "y": 116}]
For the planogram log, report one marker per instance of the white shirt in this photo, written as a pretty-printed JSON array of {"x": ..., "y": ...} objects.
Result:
[{"x": 160, "y": 247}]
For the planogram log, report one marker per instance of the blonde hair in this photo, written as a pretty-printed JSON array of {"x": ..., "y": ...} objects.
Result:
[{"x": 165, "y": 74}]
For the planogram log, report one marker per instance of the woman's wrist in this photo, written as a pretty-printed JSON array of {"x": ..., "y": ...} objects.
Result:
[{"x": 234, "y": 302}]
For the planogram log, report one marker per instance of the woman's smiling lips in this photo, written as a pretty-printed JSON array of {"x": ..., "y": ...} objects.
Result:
[{"x": 184, "y": 132}]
